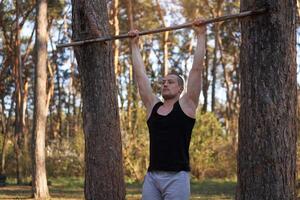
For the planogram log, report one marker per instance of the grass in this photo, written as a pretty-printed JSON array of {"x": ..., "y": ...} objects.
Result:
[
  {"x": 213, "y": 189},
  {"x": 72, "y": 188}
]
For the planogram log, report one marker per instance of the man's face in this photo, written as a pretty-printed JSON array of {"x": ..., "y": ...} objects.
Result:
[{"x": 170, "y": 87}]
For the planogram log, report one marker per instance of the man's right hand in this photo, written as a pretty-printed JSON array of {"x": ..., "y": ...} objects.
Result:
[
  {"x": 199, "y": 27},
  {"x": 134, "y": 36}
]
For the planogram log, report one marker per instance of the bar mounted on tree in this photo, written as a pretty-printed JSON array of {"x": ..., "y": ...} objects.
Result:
[{"x": 170, "y": 28}]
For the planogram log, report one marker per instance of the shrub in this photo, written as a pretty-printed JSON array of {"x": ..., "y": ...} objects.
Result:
[{"x": 211, "y": 154}]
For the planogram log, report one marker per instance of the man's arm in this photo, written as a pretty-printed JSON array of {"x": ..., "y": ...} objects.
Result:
[
  {"x": 191, "y": 98},
  {"x": 144, "y": 86}
]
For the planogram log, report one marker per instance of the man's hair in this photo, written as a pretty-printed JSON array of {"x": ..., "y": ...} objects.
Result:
[{"x": 179, "y": 78}]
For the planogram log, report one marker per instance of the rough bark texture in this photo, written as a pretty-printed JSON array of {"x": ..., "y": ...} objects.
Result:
[
  {"x": 39, "y": 179},
  {"x": 103, "y": 152},
  {"x": 267, "y": 123}
]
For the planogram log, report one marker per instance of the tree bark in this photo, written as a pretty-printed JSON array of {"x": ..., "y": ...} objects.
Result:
[
  {"x": 165, "y": 67},
  {"x": 268, "y": 119},
  {"x": 298, "y": 13},
  {"x": 130, "y": 81},
  {"x": 39, "y": 179},
  {"x": 205, "y": 81},
  {"x": 214, "y": 67},
  {"x": 19, "y": 96},
  {"x": 59, "y": 106},
  {"x": 132, "y": 87},
  {"x": 25, "y": 159},
  {"x": 116, "y": 23},
  {"x": 216, "y": 27},
  {"x": 4, "y": 129},
  {"x": 103, "y": 148}
]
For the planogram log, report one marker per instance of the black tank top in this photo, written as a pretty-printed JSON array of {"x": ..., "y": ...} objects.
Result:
[{"x": 170, "y": 137}]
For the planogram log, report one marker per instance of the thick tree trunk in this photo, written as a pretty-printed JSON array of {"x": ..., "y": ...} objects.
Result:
[
  {"x": 39, "y": 179},
  {"x": 268, "y": 119},
  {"x": 103, "y": 148}
]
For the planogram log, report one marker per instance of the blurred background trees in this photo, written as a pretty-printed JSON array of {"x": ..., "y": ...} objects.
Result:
[{"x": 214, "y": 144}]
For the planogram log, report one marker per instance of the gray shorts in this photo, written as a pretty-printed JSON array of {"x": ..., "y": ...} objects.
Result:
[{"x": 161, "y": 185}]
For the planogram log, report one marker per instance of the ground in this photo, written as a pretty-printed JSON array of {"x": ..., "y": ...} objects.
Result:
[{"x": 72, "y": 188}]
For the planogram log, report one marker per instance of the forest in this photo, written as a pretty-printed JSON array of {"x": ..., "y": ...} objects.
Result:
[{"x": 214, "y": 146}]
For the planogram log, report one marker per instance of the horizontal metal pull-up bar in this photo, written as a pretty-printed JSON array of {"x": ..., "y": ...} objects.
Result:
[{"x": 170, "y": 28}]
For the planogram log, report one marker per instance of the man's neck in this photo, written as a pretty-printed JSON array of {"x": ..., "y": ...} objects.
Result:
[{"x": 170, "y": 102}]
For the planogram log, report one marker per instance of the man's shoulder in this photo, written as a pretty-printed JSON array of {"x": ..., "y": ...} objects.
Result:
[
  {"x": 188, "y": 106},
  {"x": 153, "y": 103}
]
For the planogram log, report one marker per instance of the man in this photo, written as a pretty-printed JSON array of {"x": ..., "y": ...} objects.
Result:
[{"x": 170, "y": 124}]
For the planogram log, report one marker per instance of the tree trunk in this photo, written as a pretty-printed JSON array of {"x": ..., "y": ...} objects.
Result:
[
  {"x": 132, "y": 87},
  {"x": 214, "y": 68},
  {"x": 130, "y": 81},
  {"x": 39, "y": 179},
  {"x": 19, "y": 97},
  {"x": 268, "y": 120},
  {"x": 4, "y": 128},
  {"x": 8, "y": 129},
  {"x": 117, "y": 67},
  {"x": 54, "y": 121},
  {"x": 236, "y": 101},
  {"x": 24, "y": 109},
  {"x": 26, "y": 162},
  {"x": 103, "y": 148},
  {"x": 205, "y": 81},
  {"x": 59, "y": 106},
  {"x": 298, "y": 13},
  {"x": 50, "y": 92},
  {"x": 165, "y": 67}
]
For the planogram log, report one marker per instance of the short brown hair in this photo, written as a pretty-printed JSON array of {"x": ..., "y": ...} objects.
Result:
[{"x": 179, "y": 78}]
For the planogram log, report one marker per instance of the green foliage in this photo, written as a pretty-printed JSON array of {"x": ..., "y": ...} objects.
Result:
[
  {"x": 56, "y": 8},
  {"x": 70, "y": 183},
  {"x": 10, "y": 160},
  {"x": 194, "y": 8},
  {"x": 211, "y": 151},
  {"x": 135, "y": 146},
  {"x": 211, "y": 154},
  {"x": 65, "y": 157}
]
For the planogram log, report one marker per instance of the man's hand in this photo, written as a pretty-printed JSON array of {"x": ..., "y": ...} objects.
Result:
[
  {"x": 199, "y": 27},
  {"x": 134, "y": 36}
]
